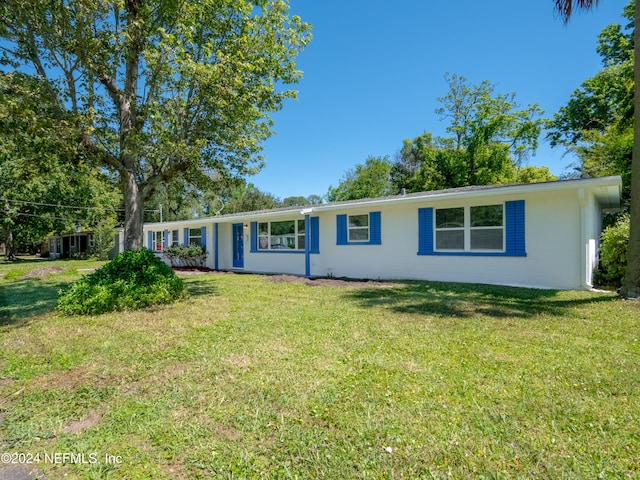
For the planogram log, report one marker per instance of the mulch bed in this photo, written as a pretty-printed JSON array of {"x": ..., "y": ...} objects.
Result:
[{"x": 284, "y": 278}]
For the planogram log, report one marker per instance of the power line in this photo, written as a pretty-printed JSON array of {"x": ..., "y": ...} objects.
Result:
[
  {"x": 69, "y": 206},
  {"x": 60, "y": 206}
]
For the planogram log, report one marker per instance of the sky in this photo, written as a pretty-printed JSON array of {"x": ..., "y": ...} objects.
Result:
[{"x": 374, "y": 69}]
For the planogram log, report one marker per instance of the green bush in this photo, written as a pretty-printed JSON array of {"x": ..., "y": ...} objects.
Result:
[
  {"x": 613, "y": 253},
  {"x": 186, "y": 256},
  {"x": 134, "y": 279}
]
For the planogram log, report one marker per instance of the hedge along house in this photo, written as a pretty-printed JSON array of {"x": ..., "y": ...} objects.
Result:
[{"x": 542, "y": 235}]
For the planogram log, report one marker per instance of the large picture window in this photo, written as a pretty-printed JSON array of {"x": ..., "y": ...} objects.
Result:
[
  {"x": 478, "y": 228},
  {"x": 281, "y": 235}
]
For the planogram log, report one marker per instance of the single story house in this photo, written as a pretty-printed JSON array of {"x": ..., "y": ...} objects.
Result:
[
  {"x": 543, "y": 235},
  {"x": 64, "y": 246}
]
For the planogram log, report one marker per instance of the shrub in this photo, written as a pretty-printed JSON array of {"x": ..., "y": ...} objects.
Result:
[
  {"x": 613, "y": 253},
  {"x": 134, "y": 279},
  {"x": 186, "y": 256}
]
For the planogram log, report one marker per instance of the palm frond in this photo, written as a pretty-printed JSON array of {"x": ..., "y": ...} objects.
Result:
[{"x": 566, "y": 7}]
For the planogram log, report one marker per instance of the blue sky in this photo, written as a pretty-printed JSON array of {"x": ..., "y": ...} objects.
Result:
[{"x": 374, "y": 70}]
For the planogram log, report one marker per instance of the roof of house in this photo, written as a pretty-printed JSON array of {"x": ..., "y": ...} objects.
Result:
[{"x": 607, "y": 191}]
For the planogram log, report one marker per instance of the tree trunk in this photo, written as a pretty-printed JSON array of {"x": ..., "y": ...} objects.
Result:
[
  {"x": 631, "y": 285},
  {"x": 9, "y": 253},
  {"x": 133, "y": 211}
]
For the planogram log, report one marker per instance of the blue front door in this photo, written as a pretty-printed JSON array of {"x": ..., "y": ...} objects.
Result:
[{"x": 238, "y": 246}]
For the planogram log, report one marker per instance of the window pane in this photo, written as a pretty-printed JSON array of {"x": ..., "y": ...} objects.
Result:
[
  {"x": 450, "y": 218},
  {"x": 263, "y": 243},
  {"x": 195, "y": 241},
  {"x": 486, "y": 239},
  {"x": 450, "y": 240},
  {"x": 300, "y": 242},
  {"x": 174, "y": 237},
  {"x": 194, "y": 232},
  {"x": 486, "y": 216},
  {"x": 282, "y": 228},
  {"x": 358, "y": 234},
  {"x": 263, "y": 228},
  {"x": 300, "y": 226},
  {"x": 358, "y": 220}
]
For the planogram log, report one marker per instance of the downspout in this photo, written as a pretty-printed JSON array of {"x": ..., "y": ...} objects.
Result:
[
  {"x": 584, "y": 241},
  {"x": 215, "y": 241},
  {"x": 307, "y": 240},
  {"x": 307, "y": 246}
]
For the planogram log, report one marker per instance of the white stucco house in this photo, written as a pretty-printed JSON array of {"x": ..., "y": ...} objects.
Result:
[{"x": 543, "y": 235}]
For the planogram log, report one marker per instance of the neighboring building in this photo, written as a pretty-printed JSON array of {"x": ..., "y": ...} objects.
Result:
[
  {"x": 535, "y": 235},
  {"x": 64, "y": 246}
]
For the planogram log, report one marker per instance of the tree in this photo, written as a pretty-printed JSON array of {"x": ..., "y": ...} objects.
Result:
[
  {"x": 631, "y": 285},
  {"x": 368, "y": 180},
  {"x": 161, "y": 89},
  {"x": 41, "y": 167},
  {"x": 491, "y": 137},
  {"x": 248, "y": 198},
  {"x": 597, "y": 121}
]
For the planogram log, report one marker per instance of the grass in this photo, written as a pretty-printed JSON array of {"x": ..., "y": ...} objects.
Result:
[{"x": 250, "y": 378}]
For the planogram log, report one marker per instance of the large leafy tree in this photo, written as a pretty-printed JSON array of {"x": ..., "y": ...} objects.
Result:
[
  {"x": 368, "y": 180},
  {"x": 597, "y": 121},
  {"x": 490, "y": 137},
  {"x": 42, "y": 167},
  {"x": 631, "y": 284},
  {"x": 161, "y": 88}
]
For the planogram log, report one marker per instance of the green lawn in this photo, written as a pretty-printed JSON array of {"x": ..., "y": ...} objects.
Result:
[{"x": 250, "y": 378}]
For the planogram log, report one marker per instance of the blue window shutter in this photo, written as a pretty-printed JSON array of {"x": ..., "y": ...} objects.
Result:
[
  {"x": 515, "y": 229},
  {"x": 315, "y": 234},
  {"x": 165, "y": 239},
  {"x": 203, "y": 240},
  {"x": 186, "y": 237},
  {"x": 341, "y": 227},
  {"x": 150, "y": 240},
  {"x": 254, "y": 236},
  {"x": 375, "y": 228},
  {"x": 425, "y": 231}
]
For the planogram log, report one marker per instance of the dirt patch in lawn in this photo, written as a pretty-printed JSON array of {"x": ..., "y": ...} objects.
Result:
[
  {"x": 91, "y": 419},
  {"x": 42, "y": 272}
]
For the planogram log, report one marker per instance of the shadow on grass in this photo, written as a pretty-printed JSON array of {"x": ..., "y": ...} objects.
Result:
[
  {"x": 23, "y": 299},
  {"x": 468, "y": 300},
  {"x": 199, "y": 285}
]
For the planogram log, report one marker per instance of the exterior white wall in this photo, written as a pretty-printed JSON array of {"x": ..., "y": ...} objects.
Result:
[
  {"x": 552, "y": 235},
  {"x": 562, "y": 230},
  {"x": 276, "y": 261}
]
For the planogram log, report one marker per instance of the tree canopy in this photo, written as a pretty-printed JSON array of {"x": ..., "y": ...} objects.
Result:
[
  {"x": 597, "y": 122},
  {"x": 491, "y": 138},
  {"x": 161, "y": 89},
  {"x": 369, "y": 180},
  {"x": 41, "y": 168}
]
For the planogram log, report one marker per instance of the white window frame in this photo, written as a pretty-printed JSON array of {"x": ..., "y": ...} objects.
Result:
[
  {"x": 353, "y": 228},
  {"x": 198, "y": 236},
  {"x": 467, "y": 229},
  {"x": 158, "y": 241},
  {"x": 174, "y": 237},
  {"x": 298, "y": 235}
]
